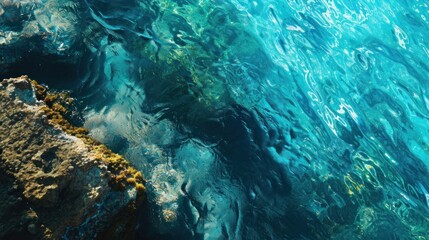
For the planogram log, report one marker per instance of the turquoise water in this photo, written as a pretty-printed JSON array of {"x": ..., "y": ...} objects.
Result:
[{"x": 251, "y": 119}]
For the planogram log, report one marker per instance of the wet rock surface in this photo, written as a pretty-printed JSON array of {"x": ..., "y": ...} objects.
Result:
[
  {"x": 39, "y": 34},
  {"x": 52, "y": 184}
]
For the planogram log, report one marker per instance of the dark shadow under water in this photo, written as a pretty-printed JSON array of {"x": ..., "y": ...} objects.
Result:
[{"x": 55, "y": 71}]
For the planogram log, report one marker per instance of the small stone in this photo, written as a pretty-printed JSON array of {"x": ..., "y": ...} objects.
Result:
[
  {"x": 22, "y": 84},
  {"x": 169, "y": 215},
  {"x": 32, "y": 228}
]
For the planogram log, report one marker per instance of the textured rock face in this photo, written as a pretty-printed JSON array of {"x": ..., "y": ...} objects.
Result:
[
  {"x": 52, "y": 184},
  {"x": 43, "y": 27}
]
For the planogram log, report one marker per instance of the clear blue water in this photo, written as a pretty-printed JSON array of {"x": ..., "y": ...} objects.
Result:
[{"x": 255, "y": 119}]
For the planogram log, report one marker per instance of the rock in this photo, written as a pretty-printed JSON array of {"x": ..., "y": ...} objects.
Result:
[
  {"x": 52, "y": 176},
  {"x": 20, "y": 90},
  {"x": 32, "y": 228},
  {"x": 50, "y": 26},
  {"x": 22, "y": 84}
]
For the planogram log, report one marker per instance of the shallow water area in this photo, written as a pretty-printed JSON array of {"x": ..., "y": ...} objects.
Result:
[{"x": 249, "y": 119}]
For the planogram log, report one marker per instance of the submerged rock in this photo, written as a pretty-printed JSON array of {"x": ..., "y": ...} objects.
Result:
[
  {"x": 56, "y": 182},
  {"x": 39, "y": 34}
]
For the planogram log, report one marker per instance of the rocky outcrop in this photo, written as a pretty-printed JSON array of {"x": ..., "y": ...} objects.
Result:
[
  {"x": 46, "y": 26},
  {"x": 55, "y": 181}
]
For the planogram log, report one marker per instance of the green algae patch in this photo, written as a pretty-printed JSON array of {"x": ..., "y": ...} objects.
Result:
[{"x": 122, "y": 173}]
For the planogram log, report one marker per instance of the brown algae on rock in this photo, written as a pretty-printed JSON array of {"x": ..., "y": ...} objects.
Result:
[
  {"x": 122, "y": 172},
  {"x": 56, "y": 181}
]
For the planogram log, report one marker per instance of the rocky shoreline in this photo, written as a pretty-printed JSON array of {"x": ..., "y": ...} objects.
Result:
[{"x": 55, "y": 181}]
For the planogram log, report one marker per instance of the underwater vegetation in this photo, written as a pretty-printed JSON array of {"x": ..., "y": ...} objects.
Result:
[{"x": 248, "y": 119}]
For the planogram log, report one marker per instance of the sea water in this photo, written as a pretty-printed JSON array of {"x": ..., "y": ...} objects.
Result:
[{"x": 258, "y": 119}]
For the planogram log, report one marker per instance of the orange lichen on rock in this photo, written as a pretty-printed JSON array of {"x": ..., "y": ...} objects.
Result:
[
  {"x": 140, "y": 187},
  {"x": 40, "y": 90}
]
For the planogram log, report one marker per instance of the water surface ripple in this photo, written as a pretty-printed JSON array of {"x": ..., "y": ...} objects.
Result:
[{"x": 266, "y": 119}]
